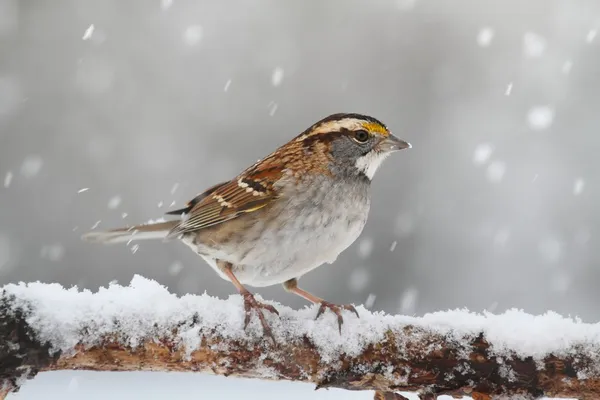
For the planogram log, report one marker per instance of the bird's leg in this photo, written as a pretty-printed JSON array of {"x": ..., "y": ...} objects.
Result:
[
  {"x": 250, "y": 302},
  {"x": 292, "y": 287}
]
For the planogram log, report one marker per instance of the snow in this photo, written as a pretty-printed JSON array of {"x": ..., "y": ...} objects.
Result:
[
  {"x": 277, "y": 76},
  {"x": 8, "y": 179},
  {"x": 540, "y": 117},
  {"x": 145, "y": 308},
  {"x": 365, "y": 248},
  {"x": 83, "y": 190},
  {"x": 508, "y": 90},
  {"x": 359, "y": 280},
  {"x": 32, "y": 165},
  {"x": 227, "y": 84},
  {"x": 192, "y": 35},
  {"x": 114, "y": 202},
  {"x": 482, "y": 153},
  {"x": 534, "y": 45},
  {"x": 566, "y": 67},
  {"x": 591, "y": 35},
  {"x": 393, "y": 246},
  {"x": 495, "y": 171},
  {"x": 408, "y": 301},
  {"x": 485, "y": 36},
  {"x": 88, "y": 32},
  {"x": 53, "y": 252},
  {"x": 370, "y": 300},
  {"x": 578, "y": 186},
  {"x": 166, "y": 4}
]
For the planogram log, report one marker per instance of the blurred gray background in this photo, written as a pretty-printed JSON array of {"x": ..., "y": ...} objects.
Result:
[{"x": 146, "y": 103}]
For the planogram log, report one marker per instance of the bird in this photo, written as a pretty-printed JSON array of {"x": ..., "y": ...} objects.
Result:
[{"x": 289, "y": 213}]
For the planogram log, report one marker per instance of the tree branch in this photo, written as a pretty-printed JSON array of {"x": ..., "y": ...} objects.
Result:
[{"x": 143, "y": 327}]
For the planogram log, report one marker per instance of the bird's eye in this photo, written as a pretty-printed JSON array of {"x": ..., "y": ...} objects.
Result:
[{"x": 361, "y": 136}]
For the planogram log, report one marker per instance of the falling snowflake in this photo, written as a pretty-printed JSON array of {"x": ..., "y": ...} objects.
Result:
[
  {"x": 393, "y": 246},
  {"x": 540, "y": 117},
  {"x": 551, "y": 249},
  {"x": 591, "y": 35},
  {"x": 166, "y": 4},
  {"x": 134, "y": 248},
  {"x": 508, "y": 90},
  {"x": 482, "y": 153},
  {"x": 566, "y": 67},
  {"x": 408, "y": 301},
  {"x": 53, "y": 252},
  {"x": 534, "y": 45},
  {"x": 359, "y": 279},
  {"x": 192, "y": 35},
  {"x": 495, "y": 171},
  {"x": 31, "y": 166},
  {"x": 8, "y": 179},
  {"x": 114, "y": 202},
  {"x": 578, "y": 186},
  {"x": 175, "y": 268},
  {"x": 485, "y": 36},
  {"x": 370, "y": 300},
  {"x": 365, "y": 248},
  {"x": 227, "y": 84},
  {"x": 277, "y": 76},
  {"x": 88, "y": 32},
  {"x": 83, "y": 190}
]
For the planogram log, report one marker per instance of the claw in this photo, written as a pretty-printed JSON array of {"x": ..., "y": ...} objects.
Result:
[
  {"x": 337, "y": 310},
  {"x": 250, "y": 303}
]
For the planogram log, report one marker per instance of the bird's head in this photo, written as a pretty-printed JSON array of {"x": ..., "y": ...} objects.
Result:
[{"x": 355, "y": 142}]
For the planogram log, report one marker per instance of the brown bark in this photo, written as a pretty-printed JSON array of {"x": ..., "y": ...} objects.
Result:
[{"x": 408, "y": 359}]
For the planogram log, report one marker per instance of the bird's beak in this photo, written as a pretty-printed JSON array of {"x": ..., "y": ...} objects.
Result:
[{"x": 392, "y": 143}]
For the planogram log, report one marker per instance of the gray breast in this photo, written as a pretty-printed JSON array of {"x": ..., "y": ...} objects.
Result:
[{"x": 315, "y": 222}]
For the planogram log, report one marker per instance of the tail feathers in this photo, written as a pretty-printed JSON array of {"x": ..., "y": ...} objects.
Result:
[{"x": 138, "y": 232}]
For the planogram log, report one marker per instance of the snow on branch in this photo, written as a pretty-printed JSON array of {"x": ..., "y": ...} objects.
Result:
[{"x": 142, "y": 326}]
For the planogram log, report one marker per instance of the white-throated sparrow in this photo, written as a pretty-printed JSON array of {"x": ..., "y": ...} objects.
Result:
[{"x": 284, "y": 216}]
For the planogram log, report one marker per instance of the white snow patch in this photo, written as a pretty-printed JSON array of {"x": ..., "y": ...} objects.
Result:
[
  {"x": 482, "y": 153},
  {"x": 495, "y": 171},
  {"x": 578, "y": 186},
  {"x": 145, "y": 309},
  {"x": 534, "y": 45},
  {"x": 192, "y": 35},
  {"x": 277, "y": 76},
  {"x": 485, "y": 36},
  {"x": 540, "y": 117},
  {"x": 88, "y": 32},
  {"x": 32, "y": 165},
  {"x": 8, "y": 179}
]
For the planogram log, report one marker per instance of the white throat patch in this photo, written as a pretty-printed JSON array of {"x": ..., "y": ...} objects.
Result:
[{"x": 370, "y": 162}]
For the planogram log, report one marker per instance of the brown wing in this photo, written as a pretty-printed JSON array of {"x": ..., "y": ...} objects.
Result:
[{"x": 250, "y": 191}]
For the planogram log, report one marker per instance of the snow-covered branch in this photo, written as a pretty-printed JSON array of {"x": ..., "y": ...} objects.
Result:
[{"x": 143, "y": 327}]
